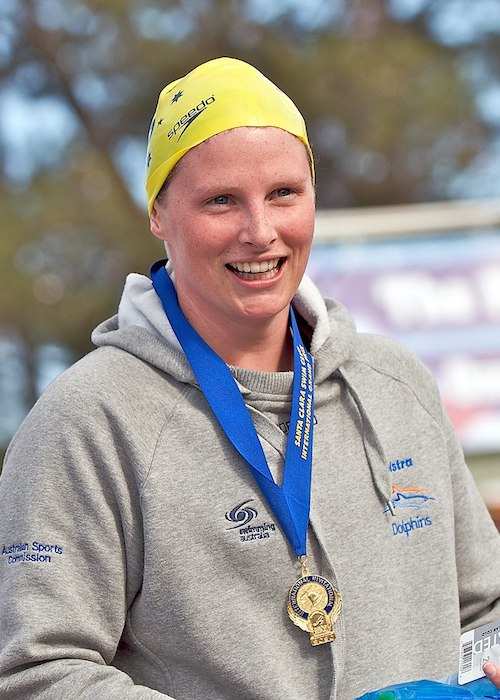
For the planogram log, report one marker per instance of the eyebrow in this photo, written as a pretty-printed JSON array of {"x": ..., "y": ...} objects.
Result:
[{"x": 224, "y": 187}]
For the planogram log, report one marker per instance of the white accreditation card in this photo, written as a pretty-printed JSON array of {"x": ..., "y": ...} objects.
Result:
[{"x": 476, "y": 647}]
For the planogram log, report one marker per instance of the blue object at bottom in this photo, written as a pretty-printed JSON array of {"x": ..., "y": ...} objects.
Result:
[{"x": 431, "y": 690}]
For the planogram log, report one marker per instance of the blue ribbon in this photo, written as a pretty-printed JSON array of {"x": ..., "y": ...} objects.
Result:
[{"x": 290, "y": 502}]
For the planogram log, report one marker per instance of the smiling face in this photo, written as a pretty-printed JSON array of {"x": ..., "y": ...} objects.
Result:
[{"x": 238, "y": 219}]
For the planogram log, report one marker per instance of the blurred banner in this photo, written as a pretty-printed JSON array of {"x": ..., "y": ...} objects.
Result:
[{"x": 439, "y": 296}]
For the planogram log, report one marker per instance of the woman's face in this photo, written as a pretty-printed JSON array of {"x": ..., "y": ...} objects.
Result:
[{"x": 238, "y": 218}]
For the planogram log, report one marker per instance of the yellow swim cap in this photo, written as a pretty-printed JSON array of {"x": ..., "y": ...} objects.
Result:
[{"x": 219, "y": 95}]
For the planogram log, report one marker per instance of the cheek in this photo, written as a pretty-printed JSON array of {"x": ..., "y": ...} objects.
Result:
[
  {"x": 300, "y": 232},
  {"x": 203, "y": 245},
  {"x": 215, "y": 236}
]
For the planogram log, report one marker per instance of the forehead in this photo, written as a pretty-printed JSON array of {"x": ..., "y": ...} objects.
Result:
[{"x": 268, "y": 150}]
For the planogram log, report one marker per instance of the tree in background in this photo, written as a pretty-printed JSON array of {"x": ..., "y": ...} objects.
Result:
[{"x": 387, "y": 99}]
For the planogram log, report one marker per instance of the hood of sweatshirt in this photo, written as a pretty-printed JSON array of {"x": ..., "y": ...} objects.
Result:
[{"x": 141, "y": 328}]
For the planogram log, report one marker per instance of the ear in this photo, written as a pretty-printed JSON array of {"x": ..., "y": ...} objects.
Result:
[{"x": 156, "y": 226}]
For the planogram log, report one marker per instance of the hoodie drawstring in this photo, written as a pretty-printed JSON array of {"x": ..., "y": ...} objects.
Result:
[{"x": 374, "y": 450}]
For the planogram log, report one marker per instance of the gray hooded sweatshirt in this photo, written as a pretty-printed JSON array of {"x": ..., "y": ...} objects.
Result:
[{"x": 139, "y": 559}]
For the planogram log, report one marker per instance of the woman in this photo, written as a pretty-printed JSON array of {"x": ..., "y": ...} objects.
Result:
[{"x": 155, "y": 514}]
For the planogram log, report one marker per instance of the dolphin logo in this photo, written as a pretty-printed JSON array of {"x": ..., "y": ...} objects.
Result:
[{"x": 413, "y": 497}]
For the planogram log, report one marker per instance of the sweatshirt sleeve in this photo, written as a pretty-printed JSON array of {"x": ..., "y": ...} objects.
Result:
[
  {"x": 71, "y": 553},
  {"x": 477, "y": 544}
]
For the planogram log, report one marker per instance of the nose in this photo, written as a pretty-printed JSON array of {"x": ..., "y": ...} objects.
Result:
[{"x": 256, "y": 229}]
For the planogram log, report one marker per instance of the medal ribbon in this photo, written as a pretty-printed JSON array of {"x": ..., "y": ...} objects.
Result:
[{"x": 290, "y": 502}]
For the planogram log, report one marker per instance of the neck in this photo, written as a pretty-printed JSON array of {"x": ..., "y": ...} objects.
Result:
[{"x": 263, "y": 345}]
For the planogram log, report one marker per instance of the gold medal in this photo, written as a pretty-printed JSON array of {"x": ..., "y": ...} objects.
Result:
[{"x": 314, "y": 605}]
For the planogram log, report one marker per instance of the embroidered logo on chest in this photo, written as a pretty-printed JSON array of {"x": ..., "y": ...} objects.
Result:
[
  {"x": 242, "y": 514},
  {"x": 414, "y": 503},
  {"x": 409, "y": 498},
  {"x": 398, "y": 464}
]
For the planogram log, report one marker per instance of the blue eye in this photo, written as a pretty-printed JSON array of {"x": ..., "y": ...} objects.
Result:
[
  {"x": 283, "y": 191},
  {"x": 220, "y": 199}
]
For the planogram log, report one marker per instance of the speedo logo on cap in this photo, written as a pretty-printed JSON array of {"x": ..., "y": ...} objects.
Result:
[{"x": 187, "y": 119}]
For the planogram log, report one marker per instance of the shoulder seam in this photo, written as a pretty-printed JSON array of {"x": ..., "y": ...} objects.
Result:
[
  {"x": 406, "y": 384},
  {"x": 169, "y": 415}
]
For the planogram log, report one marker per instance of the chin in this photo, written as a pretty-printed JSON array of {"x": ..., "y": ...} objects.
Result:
[{"x": 264, "y": 311}]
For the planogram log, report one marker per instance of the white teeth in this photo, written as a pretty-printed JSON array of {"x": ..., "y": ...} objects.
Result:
[{"x": 256, "y": 266}]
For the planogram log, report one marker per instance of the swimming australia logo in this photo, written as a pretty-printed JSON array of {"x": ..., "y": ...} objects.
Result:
[
  {"x": 409, "y": 497},
  {"x": 242, "y": 514},
  {"x": 187, "y": 119}
]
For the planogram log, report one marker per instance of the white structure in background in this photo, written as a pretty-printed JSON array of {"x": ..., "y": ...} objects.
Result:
[{"x": 429, "y": 276}]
